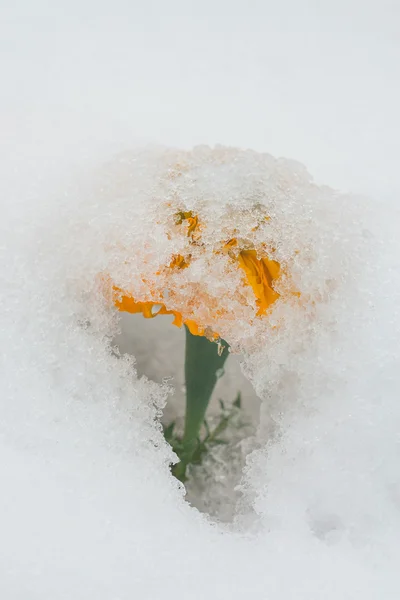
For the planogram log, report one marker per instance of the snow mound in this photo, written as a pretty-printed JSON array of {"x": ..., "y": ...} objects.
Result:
[{"x": 89, "y": 508}]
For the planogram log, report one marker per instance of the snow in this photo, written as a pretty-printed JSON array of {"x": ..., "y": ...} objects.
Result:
[{"x": 88, "y": 508}]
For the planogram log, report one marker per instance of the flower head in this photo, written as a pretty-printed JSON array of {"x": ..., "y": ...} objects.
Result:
[{"x": 258, "y": 272}]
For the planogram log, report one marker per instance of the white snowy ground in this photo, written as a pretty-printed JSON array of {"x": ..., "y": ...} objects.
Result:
[{"x": 87, "y": 506}]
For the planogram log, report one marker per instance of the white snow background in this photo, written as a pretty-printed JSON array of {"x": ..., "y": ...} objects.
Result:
[{"x": 88, "y": 509}]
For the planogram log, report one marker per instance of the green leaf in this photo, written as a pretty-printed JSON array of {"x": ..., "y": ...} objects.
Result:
[
  {"x": 219, "y": 442},
  {"x": 168, "y": 431},
  {"x": 238, "y": 401}
]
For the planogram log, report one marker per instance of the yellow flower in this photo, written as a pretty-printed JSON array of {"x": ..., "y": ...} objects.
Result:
[
  {"x": 260, "y": 273},
  {"x": 192, "y": 221}
]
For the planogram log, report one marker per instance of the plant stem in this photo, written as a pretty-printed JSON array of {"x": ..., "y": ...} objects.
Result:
[{"x": 203, "y": 361}]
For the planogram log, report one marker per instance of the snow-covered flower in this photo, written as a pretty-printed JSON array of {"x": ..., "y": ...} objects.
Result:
[{"x": 260, "y": 272}]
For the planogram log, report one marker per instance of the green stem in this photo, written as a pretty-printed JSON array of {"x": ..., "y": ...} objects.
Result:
[{"x": 203, "y": 361}]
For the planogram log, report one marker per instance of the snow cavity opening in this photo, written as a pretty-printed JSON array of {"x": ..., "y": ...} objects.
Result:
[{"x": 158, "y": 349}]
